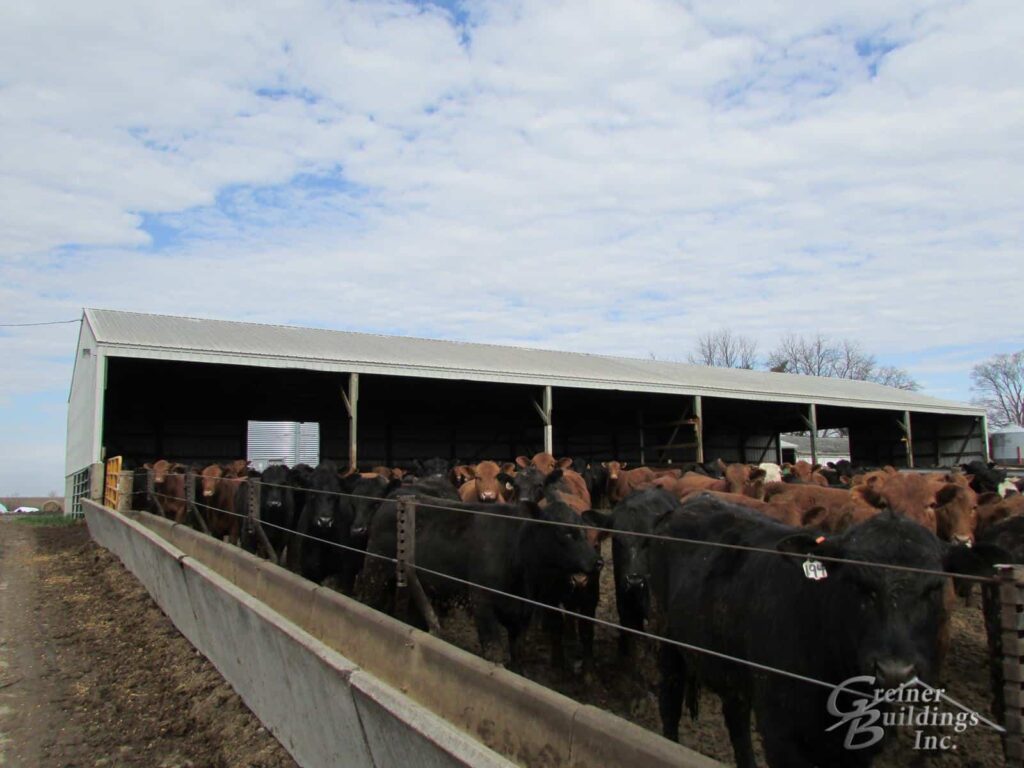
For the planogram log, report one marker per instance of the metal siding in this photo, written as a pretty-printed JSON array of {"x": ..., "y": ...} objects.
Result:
[
  {"x": 283, "y": 442},
  {"x": 174, "y": 338},
  {"x": 82, "y": 437}
]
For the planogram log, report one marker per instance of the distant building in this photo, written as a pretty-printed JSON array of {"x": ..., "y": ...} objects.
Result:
[{"x": 829, "y": 448}]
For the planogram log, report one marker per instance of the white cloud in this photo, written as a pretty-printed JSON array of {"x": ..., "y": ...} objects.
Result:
[{"x": 605, "y": 176}]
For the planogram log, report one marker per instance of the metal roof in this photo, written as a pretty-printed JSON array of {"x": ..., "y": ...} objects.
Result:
[{"x": 134, "y": 334}]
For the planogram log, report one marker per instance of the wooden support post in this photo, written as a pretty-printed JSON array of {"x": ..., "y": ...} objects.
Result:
[
  {"x": 1009, "y": 644},
  {"x": 549, "y": 429},
  {"x": 408, "y": 583},
  {"x": 908, "y": 438},
  {"x": 812, "y": 421},
  {"x": 778, "y": 449},
  {"x": 984, "y": 438},
  {"x": 124, "y": 491},
  {"x": 698, "y": 427},
  {"x": 352, "y": 407}
]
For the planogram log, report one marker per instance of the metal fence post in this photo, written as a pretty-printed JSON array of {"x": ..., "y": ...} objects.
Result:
[
  {"x": 408, "y": 582},
  {"x": 254, "y": 523},
  {"x": 1010, "y": 694},
  {"x": 151, "y": 494}
]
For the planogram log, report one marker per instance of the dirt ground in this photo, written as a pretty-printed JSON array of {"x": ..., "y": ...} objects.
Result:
[{"x": 93, "y": 674}]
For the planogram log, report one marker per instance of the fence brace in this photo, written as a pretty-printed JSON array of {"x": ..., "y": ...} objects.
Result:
[
  {"x": 190, "y": 503},
  {"x": 252, "y": 521},
  {"x": 408, "y": 582}
]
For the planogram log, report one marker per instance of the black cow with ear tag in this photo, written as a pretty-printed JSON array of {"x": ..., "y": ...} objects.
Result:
[{"x": 790, "y": 606}]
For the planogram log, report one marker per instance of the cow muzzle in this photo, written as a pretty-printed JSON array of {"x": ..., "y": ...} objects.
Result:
[
  {"x": 274, "y": 504},
  {"x": 358, "y": 532},
  {"x": 963, "y": 541},
  {"x": 488, "y": 496},
  {"x": 324, "y": 522},
  {"x": 207, "y": 494},
  {"x": 635, "y": 581},
  {"x": 579, "y": 580},
  {"x": 890, "y": 673}
]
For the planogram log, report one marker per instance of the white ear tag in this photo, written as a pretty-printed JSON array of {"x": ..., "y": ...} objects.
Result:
[{"x": 813, "y": 569}]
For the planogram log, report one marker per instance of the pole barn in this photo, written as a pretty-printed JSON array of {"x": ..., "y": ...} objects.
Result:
[{"x": 152, "y": 386}]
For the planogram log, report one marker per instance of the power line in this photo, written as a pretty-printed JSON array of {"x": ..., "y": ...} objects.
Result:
[{"x": 51, "y": 322}]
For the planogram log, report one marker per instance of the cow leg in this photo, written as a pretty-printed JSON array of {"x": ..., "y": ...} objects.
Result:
[
  {"x": 488, "y": 631},
  {"x": 736, "y": 711},
  {"x": 670, "y": 690},
  {"x": 631, "y": 616},
  {"x": 554, "y": 628}
]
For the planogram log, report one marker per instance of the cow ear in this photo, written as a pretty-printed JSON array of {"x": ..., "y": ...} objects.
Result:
[
  {"x": 604, "y": 464},
  {"x": 946, "y": 494},
  {"x": 564, "y": 463},
  {"x": 554, "y": 477},
  {"x": 506, "y": 480},
  {"x": 814, "y": 517},
  {"x": 522, "y": 462},
  {"x": 871, "y": 495},
  {"x": 757, "y": 474},
  {"x": 808, "y": 544}
]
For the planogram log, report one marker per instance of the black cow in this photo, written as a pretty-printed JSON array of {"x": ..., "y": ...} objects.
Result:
[
  {"x": 325, "y": 523},
  {"x": 528, "y": 485},
  {"x": 536, "y": 561},
  {"x": 986, "y": 478},
  {"x": 857, "y": 621},
  {"x": 366, "y": 495},
  {"x": 638, "y": 512},
  {"x": 595, "y": 475},
  {"x": 277, "y": 509}
]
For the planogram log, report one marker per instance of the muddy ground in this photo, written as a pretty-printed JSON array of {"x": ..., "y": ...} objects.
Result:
[{"x": 93, "y": 674}]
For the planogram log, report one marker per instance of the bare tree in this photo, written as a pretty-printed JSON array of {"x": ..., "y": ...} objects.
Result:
[
  {"x": 999, "y": 382},
  {"x": 843, "y": 359},
  {"x": 724, "y": 349}
]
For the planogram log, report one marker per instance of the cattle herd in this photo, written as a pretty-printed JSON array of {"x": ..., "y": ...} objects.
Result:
[{"x": 826, "y": 573}]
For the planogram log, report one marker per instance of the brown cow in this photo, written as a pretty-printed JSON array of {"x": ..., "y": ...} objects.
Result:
[
  {"x": 739, "y": 478},
  {"x": 924, "y": 499},
  {"x": 992, "y": 508},
  {"x": 485, "y": 483},
  {"x": 218, "y": 498},
  {"x": 626, "y": 481},
  {"x": 172, "y": 495},
  {"x": 543, "y": 461},
  {"x": 831, "y": 509}
]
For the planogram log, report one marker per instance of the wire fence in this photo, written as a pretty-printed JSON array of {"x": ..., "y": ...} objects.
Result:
[
  {"x": 420, "y": 502},
  {"x": 569, "y": 613}
]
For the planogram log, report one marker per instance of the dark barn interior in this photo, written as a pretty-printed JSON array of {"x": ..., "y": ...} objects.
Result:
[{"x": 198, "y": 412}]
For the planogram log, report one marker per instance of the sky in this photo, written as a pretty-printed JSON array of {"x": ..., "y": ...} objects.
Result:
[{"x": 612, "y": 177}]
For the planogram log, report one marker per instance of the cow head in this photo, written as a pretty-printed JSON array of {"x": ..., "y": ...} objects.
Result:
[
  {"x": 562, "y": 551},
  {"x": 367, "y": 494},
  {"x": 614, "y": 468},
  {"x": 276, "y": 501},
  {"x": 956, "y": 509},
  {"x": 323, "y": 499},
  {"x": 884, "y": 623},
  {"x": 461, "y": 474},
  {"x": 528, "y": 484},
  {"x": 210, "y": 478},
  {"x": 909, "y": 495},
  {"x": 160, "y": 470},
  {"x": 487, "y": 477}
]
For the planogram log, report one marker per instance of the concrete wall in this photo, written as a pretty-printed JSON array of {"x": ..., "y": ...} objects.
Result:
[{"x": 419, "y": 700}]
